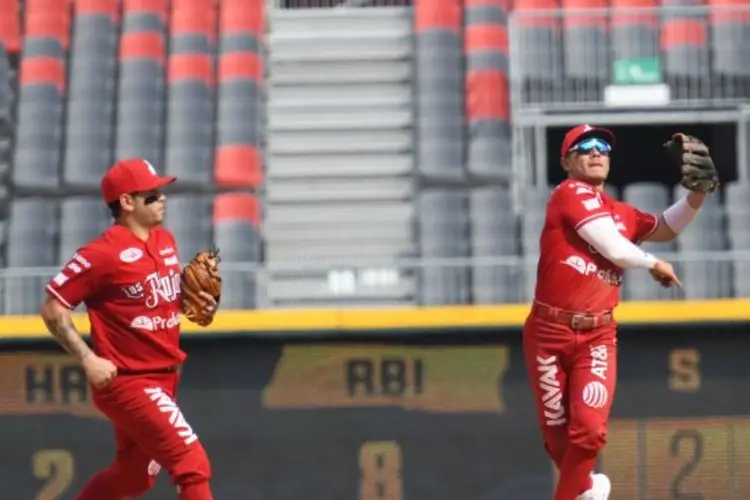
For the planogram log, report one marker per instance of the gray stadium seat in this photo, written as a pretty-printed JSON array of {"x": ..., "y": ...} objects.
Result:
[
  {"x": 38, "y": 138},
  {"x": 239, "y": 42},
  {"x": 135, "y": 22},
  {"x": 533, "y": 217},
  {"x": 494, "y": 233},
  {"x": 189, "y": 148},
  {"x": 731, "y": 48},
  {"x": 238, "y": 241},
  {"x": 652, "y": 198},
  {"x": 443, "y": 233},
  {"x": 635, "y": 41},
  {"x": 189, "y": 219},
  {"x": 42, "y": 47},
  {"x": 32, "y": 228},
  {"x": 737, "y": 207},
  {"x": 190, "y": 44},
  {"x": 82, "y": 218},
  {"x": 586, "y": 53},
  {"x": 139, "y": 131}
]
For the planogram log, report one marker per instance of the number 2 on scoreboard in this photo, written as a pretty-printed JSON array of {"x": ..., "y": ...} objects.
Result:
[
  {"x": 57, "y": 467},
  {"x": 380, "y": 465}
]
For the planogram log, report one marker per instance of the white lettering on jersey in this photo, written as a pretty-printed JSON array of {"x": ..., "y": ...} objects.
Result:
[
  {"x": 599, "y": 362},
  {"x": 134, "y": 292},
  {"x": 156, "y": 323},
  {"x": 166, "y": 251},
  {"x": 167, "y": 405},
  {"x": 592, "y": 204},
  {"x": 79, "y": 258},
  {"x": 60, "y": 279},
  {"x": 165, "y": 288},
  {"x": 554, "y": 410},
  {"x": 585, "y": 268},
  {"x": 153, "y": 468},
  {"x": 130, "y": 255},
  {"x": 172, "y": 261}
]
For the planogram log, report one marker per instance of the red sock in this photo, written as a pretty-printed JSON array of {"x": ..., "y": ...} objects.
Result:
[
  {"x": 196, "y": 491},
  {"x": 575, "y": 474}
]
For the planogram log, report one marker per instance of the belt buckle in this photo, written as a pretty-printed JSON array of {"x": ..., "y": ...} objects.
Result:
[{"x": 575, "y": 321}]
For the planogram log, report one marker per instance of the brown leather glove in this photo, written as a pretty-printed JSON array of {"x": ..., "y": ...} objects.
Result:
[{"x": 200, "y": 274}]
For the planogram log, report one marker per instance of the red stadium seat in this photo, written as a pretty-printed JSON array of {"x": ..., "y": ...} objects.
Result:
[
  {"x": 620, "y": 17},
  {"x": 488, "y": 95},
  {"x": 108, "y": 7},
  {"x": 683, "y": 32},
  {"x": 242, "y": 16},
  {"x": 191, "y": 67},
  {"x": 241, "y": 66},
  {"x": 238, "y": 166},
  {"x": 194, "y": 21},
  {"x": 723, "y": 11},
  {"x": 50, "y": 25},
  {"x": 10, "y": 25},
  {"x": 142, "y": 45},
  {"x": 237, "y": 207},
  {"x": 43, "y": 70},
  {"x": 152, "y": 6}
]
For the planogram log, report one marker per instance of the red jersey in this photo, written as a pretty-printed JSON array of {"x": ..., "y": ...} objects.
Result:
[
  {"x": 571, "y": 274},
  {"x": 131, "y": 289}
]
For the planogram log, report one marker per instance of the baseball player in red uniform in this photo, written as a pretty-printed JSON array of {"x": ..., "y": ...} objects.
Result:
[
  {"x": 569, "y": 338},
  {"x": 129, "y": 280}
]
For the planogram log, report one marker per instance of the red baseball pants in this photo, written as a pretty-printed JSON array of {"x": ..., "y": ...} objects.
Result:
[
  {"x": 573, "y": 375},
  {"x": 151, "y": 432}
]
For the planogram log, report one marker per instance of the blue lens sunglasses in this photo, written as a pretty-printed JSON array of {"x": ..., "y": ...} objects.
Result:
[{"x": 588, "y": 145}]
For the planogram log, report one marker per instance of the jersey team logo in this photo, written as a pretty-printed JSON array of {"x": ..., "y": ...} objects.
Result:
[
  {"x": 162, "y": 288},
  {"x": 130, "y": 255}
]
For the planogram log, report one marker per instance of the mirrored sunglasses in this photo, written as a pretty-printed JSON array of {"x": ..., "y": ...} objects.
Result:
[{"x": 588, "y": 145}]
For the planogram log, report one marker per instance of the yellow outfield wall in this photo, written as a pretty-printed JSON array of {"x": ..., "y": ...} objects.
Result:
[{"x": 424, "y": 318}]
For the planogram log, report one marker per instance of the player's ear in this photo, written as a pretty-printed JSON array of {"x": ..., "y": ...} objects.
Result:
[
  {"x": 564, "y": 163},
  {"x": 127, "y": 203}
]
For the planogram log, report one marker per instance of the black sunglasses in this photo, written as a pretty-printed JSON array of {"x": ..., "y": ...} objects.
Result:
[{"x": 148, "y": 198}]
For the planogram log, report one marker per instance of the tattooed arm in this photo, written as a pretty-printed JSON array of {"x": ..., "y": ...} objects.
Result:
[{"x": 60, "y": 324}]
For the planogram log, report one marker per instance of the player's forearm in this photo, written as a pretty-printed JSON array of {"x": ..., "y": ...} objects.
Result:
[
  {"x": 683, "y": 211},
  {"x": 603, "y": 235},
  {"x": 60, "y": 324}
]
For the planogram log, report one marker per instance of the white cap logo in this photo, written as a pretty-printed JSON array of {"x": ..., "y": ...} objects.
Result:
[{"x": 150, "y": 167}]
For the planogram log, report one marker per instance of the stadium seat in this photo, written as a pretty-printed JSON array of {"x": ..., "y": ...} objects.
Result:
[
  {"x": 39, "y": 131},
  {"x": 730, "y": 43},
  {"x": 684, "y": 40},
  {"x": 10, "y": 26},
  {"x": 539, "y": 49},
  {"x": 239, "y": 162},
  {"x": 532, "y": 222},
  {"x": 82, "y": 218},
  {"x": 139, "y": 131},
  {"x": 443, "y": 234},
  {"x": 652, "y": 198},
  {"x": 738, "y": 233},
  {"x": 635, "y": 30},
  {"x": 494, "y": 233},
  {"x": 189, "y": 219},
  {"x": 487, "y": 89},
  {"x": 439, "y": 84},
  {"x": 585, "y": 50},
  {"x": 705, "y": 280},
  {"x": 236, "y": 219},
  {"x": 32, "y": 229},
  {"x": 190, "y": 131},
  {"x": 90, "y": 116}
]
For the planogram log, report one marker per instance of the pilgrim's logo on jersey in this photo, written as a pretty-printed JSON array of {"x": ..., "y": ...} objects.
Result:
[
  {"x": 162, "y": 288},
  {"x": 585, "y": 268}
]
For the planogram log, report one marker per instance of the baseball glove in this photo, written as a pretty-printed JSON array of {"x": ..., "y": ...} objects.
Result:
[
  {"x": 200, "y": 274},
  {"x": 698, "y": 170}
]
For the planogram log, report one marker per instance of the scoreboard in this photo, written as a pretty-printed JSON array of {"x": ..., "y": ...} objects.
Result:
[{"x": 397, "y": 418}]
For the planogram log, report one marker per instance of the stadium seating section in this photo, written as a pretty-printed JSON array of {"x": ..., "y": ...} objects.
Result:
[{"x": 327, "y": 157}]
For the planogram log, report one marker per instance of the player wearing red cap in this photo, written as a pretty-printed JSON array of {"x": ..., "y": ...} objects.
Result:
[
  {"x": 570, "y": 334},
  {"x": 129, "y": 280}
]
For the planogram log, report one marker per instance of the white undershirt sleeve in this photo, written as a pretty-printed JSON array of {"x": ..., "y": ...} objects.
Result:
[
  {"x": 603, "y": 235},
  {"x": 679, "y": 215}
]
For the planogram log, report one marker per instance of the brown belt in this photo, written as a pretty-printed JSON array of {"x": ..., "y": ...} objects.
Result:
[
  {"x": 573, "y": 320},
  {"x": 155, "y": 371}
]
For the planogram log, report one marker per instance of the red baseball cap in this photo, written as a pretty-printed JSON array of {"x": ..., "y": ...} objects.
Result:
[
  {"x": 134, "y": 175},
  {"x": 581, "y": 131}
]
